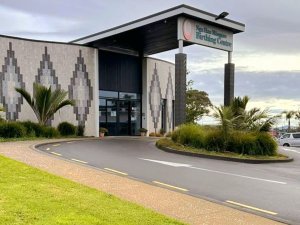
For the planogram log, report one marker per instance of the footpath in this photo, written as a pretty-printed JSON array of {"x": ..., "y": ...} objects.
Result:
[{"x": 183, "y": 207}]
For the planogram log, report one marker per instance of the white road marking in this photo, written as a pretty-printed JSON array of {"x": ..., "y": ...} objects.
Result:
[
  {"x": 56, "y": 145},
  {"x": 47, "y": 149},
  {"x": 77, "y": 160},
  {"x": 55, "y": 153},
  {"x": 212, "y": 171},
  {"x": 251, "y": 207},
  {"x": 170, "y": 186},
  {"x": 116, "y": 171},
  {"x": 168, "y": 163},
  {"x": 290, "y": 150},
  {"x": 70, "y": 142}
]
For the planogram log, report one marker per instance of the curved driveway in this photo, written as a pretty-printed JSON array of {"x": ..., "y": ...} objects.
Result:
[{"x": 270, "y": 190}]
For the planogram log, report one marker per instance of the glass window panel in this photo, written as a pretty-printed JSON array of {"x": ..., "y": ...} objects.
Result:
[
  {"x": 135, "y": 117},
  {"x": 296, "y": 135},
  {"x": 108, "y": 94},
  {"x": 126, "y": 95}
]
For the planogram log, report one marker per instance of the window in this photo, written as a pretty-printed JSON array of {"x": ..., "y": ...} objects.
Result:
[
  {"x": 286, "y": 136},
  {"x": 108, "y": 94},
  {"x": 296, "y": 135},
  {"x": 129, "y": 96}
]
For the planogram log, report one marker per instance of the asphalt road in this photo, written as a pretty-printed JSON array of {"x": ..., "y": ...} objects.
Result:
[{"x": 269, "y": 190}]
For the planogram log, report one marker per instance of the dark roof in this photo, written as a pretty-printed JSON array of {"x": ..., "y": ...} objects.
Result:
[{"x": 154, "y": 33}]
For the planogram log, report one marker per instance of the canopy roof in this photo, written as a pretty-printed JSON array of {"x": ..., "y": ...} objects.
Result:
[{"x": 155, "y": 33}]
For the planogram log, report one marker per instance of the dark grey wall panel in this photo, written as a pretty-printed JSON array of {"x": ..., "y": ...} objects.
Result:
[
  {"x": 180, "y": 88},
  {"x": 119, "y": 72}
]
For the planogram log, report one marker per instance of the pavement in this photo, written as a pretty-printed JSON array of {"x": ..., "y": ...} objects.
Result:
[{"x": 61, "y": 160}]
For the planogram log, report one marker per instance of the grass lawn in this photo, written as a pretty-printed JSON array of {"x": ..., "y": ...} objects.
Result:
[
  {"x": 167, "y": 142},
  {"x": 31, "y": 196}
]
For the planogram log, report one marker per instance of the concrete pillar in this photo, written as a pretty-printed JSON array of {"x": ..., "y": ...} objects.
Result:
[
  {"x": 180, "y": 88},
  {"x": 228, "y": 83}
]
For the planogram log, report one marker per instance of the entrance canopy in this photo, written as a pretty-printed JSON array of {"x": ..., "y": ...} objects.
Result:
[{"x": 161, "y": 31}]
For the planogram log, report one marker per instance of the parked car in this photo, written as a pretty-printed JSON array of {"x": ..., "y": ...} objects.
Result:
[{"x": 290, "y": 139}]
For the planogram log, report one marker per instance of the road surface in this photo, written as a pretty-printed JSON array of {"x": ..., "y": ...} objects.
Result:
[{"x": 269, "y": 190}]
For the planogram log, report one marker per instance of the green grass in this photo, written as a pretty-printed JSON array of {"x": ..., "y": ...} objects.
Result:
[
  {"x": 166, "y": 142},
  {"x": 37, "y": 138},
  {"x": 31, "y": 196}
]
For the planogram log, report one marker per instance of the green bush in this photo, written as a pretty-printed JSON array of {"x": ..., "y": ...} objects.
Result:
[
  {"x": 266, "y": 144},
  {"x": 214, "y": 140},
  {"x": 211, "y": 139},
  {"x": 32, "y": 129},
  {"x": 50, "y": 132},
  {"x": 66, "y": 129},
  {"x": 189, "y": 134},
  {"x": 12, "y": 130},
  {"x": 80, "y": 130},
  {"x": 242, "y": 143}
]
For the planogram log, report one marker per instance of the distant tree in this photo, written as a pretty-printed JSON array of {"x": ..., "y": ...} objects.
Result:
[
  {"x": 297, "y": 116},
  {"x": 288, "y": 116},
  {"x": 197, "y": 104}
]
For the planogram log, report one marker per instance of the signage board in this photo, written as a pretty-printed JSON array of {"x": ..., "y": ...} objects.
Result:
[{"x": 204, "y": 34}]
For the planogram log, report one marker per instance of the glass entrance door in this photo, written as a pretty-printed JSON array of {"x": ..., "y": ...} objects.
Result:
[
  {"x": 128, "y": 117},
  {"x": 120, "y": 113},
  {"x": 123, "y": 117}
]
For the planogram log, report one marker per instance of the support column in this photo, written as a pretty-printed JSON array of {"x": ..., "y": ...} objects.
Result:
[
  {"x": 180, "y": 88},
  {"x": 229, "y": 81}
]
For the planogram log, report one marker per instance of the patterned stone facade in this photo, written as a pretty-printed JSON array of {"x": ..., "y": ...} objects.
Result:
[
  {"x": 158, "y": 87},
  {"x": 25, "y": 62},
  {"x": 11, "y": 78}
]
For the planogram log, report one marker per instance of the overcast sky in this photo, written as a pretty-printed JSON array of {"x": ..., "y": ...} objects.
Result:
[{"x": 266, "y": 55}]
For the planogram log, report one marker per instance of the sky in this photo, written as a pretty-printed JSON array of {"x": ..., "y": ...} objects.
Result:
[{"x": 266, "y": 55}]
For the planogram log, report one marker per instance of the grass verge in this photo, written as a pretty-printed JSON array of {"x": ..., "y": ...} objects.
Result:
[
  {"x": 166, "y": 142},
  {"x": 38, "y": 138},
  {"x": 31, "y": 196}
]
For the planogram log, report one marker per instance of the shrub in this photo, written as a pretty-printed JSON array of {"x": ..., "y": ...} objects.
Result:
[
  {"x": 169, "y": 134},
  {"x": 266, "y": 145},
  {"x": 80, "y": 130},
  {"x": 162, "y": 132},
  {"x": 143, "y": 130},
  {"x": 213, "y": 140},
  {"x": 152, "y": 134},
  {"x": 50, "y": 132},
  {"x": 12, "y": 130},
  {"x": 242, "y": 143},
  {"x": 103, "y": 130},
  {"x": 189, "y": 134},
  {"x": 33, "y": 129},
  {"x": 66, "y": 129}
]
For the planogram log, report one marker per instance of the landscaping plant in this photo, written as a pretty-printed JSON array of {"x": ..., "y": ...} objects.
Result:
[
  {"x": 45, "y": 102},
  {"x": 66, "y": 129}
]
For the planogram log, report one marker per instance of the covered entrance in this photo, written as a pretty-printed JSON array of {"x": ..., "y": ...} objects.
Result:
[
  {"x": 120, "y": 112},
  {"x": 122, "y": 49}
]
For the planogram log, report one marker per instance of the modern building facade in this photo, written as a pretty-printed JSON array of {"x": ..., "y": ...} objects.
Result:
[{"x": 110, "y": 75}]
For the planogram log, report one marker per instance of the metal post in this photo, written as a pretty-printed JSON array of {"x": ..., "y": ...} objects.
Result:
[
  {"x": 180, "y": 45},
  {"x": 229, "y": 81}
]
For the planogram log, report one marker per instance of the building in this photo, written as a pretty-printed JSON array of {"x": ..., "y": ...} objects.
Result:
[{"x": 110, "y": 75}]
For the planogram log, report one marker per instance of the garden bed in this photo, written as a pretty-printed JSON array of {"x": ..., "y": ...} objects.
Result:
[{"x": 166, "y": 144}]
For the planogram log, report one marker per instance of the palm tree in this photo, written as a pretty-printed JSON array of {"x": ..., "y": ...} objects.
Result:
[
  {"x": 288, "y": 116},
  {"x": 297, "y": 116},
  {"x": 254, "y": 119},
  {"x": 45, "y": 102},
  {"x": 227, "y": 121}
]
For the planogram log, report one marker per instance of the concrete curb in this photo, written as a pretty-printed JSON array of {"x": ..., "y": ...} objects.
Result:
[{"x": 250, "y": 161}]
